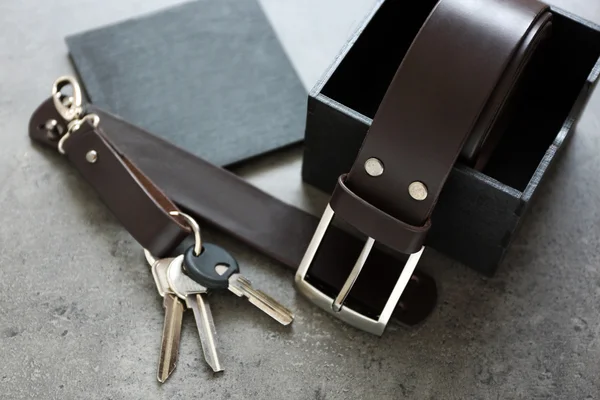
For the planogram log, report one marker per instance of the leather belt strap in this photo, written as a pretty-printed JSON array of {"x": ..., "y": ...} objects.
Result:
[
  {"x": 457, "y": 63},
  {"x": 455, "y": 67}
]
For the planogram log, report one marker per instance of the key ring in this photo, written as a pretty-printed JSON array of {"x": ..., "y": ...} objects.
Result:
[
  {"x": 195, "y": 229},
  {"x": 74, "y": 126}
]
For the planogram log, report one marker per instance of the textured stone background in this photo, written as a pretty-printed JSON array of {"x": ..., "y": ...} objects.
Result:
[{"x": 79, "y": 317}]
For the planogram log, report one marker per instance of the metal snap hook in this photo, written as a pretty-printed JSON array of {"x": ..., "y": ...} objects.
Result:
[{"x": 69, "y": 107}]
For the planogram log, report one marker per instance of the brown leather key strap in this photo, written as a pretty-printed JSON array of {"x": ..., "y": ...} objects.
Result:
[{"x": 141, "y": 207}]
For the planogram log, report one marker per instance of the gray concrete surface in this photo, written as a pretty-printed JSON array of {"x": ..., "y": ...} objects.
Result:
[{"x": 79, "y": 318}]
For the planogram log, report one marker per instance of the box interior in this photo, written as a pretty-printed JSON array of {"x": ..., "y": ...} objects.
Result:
[{"x": 557, "y": 74}]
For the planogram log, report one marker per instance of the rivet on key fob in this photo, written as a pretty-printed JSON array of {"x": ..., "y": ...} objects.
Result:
[{"x": 203, "y": 268}]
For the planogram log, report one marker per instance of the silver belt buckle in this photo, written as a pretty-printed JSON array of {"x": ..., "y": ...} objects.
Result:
[{"x": 336, "y": 306}]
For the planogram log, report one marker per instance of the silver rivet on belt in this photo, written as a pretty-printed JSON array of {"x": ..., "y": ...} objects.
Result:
[
  {"x": 374, "y": 166},
  {"x": 418, "y": 190}
]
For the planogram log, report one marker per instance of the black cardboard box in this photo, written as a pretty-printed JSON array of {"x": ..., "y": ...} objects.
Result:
[{"x": 478, "y": 212}]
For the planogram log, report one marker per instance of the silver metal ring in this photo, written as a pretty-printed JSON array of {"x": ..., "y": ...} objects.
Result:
[
  {"x": 197, "y": 239},
  {"x": 62, "y": 141},
  {"x": 74, "y": 126},
  {"x": 195, "y": 228}
]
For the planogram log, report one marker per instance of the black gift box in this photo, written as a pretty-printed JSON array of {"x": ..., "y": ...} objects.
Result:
[{"x": 478, "y": 212}]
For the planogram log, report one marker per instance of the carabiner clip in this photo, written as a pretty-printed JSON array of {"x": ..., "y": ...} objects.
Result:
[{"x": 69, "y": 107}]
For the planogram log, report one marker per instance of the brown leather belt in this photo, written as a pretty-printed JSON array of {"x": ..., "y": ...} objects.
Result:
[
  {"x": 447, "y": 98},
  {"x": 449, "y": 91}
]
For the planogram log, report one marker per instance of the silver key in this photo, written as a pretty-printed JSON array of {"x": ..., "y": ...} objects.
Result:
[
  {"x": 171, "y": 336},
  {"x": 242, "y": 287},
  {"x": 215, "y": 268},
  {"x": 193, "y": 294}
]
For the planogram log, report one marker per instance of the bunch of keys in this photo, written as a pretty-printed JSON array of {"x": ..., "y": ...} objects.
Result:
[{"x": 184, "y": 281}]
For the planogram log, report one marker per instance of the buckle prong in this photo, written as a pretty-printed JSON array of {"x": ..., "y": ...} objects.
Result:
[{"x": 360, "y": 262}]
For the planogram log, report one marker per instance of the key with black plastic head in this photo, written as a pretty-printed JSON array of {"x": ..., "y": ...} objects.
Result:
[{"x": 216, "y": 269}]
